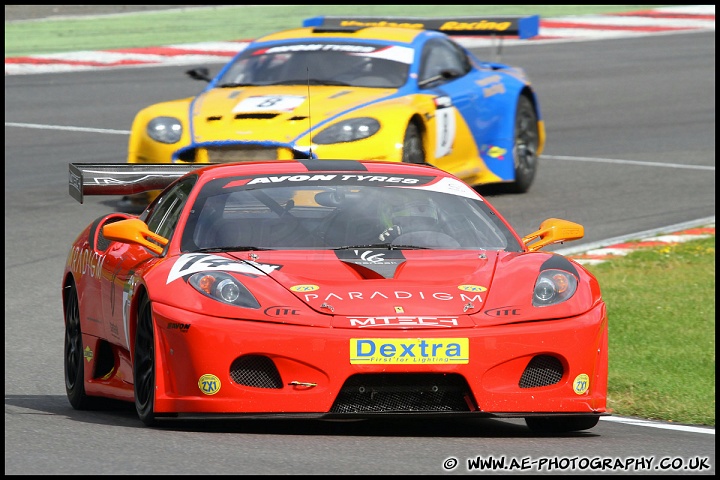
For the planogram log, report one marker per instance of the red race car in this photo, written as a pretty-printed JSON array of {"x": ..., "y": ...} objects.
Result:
[{"x": 330, "y": 289}]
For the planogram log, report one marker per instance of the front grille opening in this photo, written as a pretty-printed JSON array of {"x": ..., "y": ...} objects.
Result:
[
  {"x": 187, "y": 155},
  {"x": 404, "y": 392},
  {"x": 241, "y": 153},
  {"x": 543, "y": 370},
  {"x": 255, "y": 371},
  {"x": 255, "y": 116}
]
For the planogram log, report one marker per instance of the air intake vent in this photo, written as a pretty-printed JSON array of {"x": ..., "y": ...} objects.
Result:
[
  {"x": 543, "y": 370},
  {"x": 255, "y": 116},
  {"x": 388, "y": 393},
  {"x": 102, "y": 242},
  {"x": 255, "y": 371},
  {"x": 241, "y": 153}
]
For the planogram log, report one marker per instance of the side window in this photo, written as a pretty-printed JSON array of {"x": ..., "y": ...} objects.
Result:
[
  {"x": 442, "y": 59},
  {"x": 164, "y": 215}
]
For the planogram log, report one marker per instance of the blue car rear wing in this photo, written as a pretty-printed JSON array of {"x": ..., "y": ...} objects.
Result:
[{"x": 507, "y": 25}]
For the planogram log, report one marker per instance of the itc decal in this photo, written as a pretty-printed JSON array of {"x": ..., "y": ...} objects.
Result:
[{"x": 503, "y": 312}]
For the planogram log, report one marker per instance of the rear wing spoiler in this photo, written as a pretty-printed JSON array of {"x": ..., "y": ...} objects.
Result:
[
  {"x": 506, "y": 25},
  {"x": 123, "y": 178}
]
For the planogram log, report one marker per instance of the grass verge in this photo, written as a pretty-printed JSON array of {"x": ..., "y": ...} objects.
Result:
[
  {"x": 232, "y": 22},
  {"x": 661, "y": 309}
]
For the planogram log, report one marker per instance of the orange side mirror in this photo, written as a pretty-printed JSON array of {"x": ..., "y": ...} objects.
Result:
[
  {"x": 135, "y": 231},
  {"x": 553, "y": 230}
]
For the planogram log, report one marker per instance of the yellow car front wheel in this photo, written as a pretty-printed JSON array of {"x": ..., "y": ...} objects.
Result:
[{"x": 413, "y": 151}]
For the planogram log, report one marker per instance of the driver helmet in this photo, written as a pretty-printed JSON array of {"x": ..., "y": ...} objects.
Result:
[{"x": 419, "y": 207}]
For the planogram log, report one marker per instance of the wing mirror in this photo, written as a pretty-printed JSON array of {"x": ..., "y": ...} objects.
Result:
[
  {"x": 553, "y": 230},
  {"x": 136, "y": 232},
  {"x": 200, "y": 73}
]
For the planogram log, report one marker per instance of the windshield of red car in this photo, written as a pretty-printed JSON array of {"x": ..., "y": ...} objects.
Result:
[{"x": 234, "y": 215}]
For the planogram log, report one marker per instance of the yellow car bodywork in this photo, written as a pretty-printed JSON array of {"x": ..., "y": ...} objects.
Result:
[{"x": 222, "y": 131}]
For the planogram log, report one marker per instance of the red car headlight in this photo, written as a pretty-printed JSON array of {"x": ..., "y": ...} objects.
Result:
[
  {"x": 553, "y": 287},
  {"x": 224, "y": 288}
]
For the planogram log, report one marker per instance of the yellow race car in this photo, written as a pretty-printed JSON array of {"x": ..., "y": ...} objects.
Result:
[{"x": 393, "y": 89}]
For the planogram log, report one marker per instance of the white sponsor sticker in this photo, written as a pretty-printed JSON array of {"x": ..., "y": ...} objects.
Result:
[
  {"x": 445, "y": 125},
  {"x": 202, "y": 262},
  {"x": 275, "y": 103}
]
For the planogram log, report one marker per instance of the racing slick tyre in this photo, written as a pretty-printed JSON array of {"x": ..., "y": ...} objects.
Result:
[
  {"x": 551, "y": 425},
  {"x": 413, "y": 151},
  {"x": 73, "y": 358},
  {"x": 144, "y": 364},
  {"x": 525, "y": 147}
]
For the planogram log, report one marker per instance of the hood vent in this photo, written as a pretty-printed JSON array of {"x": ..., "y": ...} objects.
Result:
[
  {"x": 371, "y": 263},
  {"x": 255, "y": 116}
]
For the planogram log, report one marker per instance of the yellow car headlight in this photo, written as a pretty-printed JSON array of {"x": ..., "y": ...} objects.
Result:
[
  {"x": 348, "y": 131},
  {"x": 165, "y": 129}
]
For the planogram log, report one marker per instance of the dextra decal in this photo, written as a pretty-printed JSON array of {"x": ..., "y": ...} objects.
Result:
[
  {"x": 200, "y": 262},
  {"x": 409, "y": 350}
]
